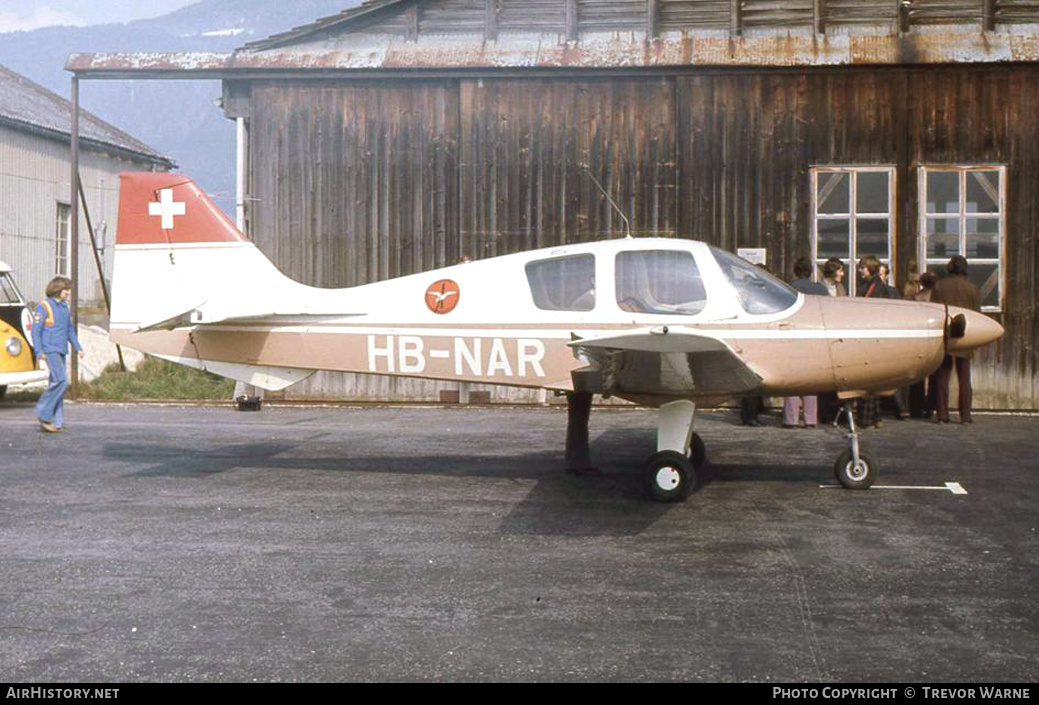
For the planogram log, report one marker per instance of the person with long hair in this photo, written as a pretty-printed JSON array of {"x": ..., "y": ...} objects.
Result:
[{"x": 52, "y": 333}]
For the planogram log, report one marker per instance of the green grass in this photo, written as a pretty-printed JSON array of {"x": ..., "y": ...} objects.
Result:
[{"x": 157, "y": 379}]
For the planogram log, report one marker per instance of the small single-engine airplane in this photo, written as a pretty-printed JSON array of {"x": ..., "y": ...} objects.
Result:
[{"x": 662, "y": 322}]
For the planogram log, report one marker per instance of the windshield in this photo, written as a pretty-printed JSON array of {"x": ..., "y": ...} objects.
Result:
[
  {"x": 758, "y": 291},
  {"x": 9, "y": 293}
]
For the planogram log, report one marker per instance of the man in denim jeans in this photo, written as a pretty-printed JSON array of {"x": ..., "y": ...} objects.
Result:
[{"x": 52, "y": 332}]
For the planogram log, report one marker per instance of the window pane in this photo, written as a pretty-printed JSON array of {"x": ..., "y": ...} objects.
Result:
[
  {"x": 872, "y": 237},
  {"x": 943, "y": 192},
  {"x": 943, "y": 237},
  {"x": 872, "y": 193},
  {"x": 759, "y": 292},
  {"x": 834, "y": 194},
  {"x": 986, "y": 278},
  {"x": 659, "y": 281},
  {"x": 563, "y": 284},
  {"x": 983, "y": 238},
  {"x": 983, "y": 192},
  {"x": 834, "y": 238}
]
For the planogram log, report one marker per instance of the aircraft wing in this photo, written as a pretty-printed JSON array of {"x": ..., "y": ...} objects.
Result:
[{"x": 675, "y": 361}]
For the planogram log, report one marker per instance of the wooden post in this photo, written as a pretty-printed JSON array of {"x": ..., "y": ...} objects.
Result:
[
  {"x": 989, "y": 16},
  {"x": 904, "y": 7},
  {"x": 819, "y": 16},
  {"x": 74, "y": 228},
  {"x": 411, "y": 16},
  {"x": 653, "y": 18},
  {"x": 735, "y": 17},
  {"x": 490, "y": 28},
  {"x": 571, "y": 21}
]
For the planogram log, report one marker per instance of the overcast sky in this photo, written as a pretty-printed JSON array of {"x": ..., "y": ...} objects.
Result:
[{"x": 16, "y": 15}]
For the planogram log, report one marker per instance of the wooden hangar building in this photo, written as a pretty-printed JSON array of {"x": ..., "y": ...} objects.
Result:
[{"x": 403, "y": 135}]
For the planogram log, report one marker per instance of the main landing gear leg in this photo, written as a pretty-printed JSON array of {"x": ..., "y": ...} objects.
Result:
[
  {"x": 670, "y": 473},
  {"x": 855, "y": 468}
]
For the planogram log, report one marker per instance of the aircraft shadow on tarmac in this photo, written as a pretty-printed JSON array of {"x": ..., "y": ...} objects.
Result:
[{"x": 610, "y": 504}]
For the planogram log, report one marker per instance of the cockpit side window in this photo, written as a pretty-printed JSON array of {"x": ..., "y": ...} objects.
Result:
[
  {"x": 659, "y": 281},
  {"x": 8, "y": 291},
  {"x": 758, "y": 291},
  {"x": 563, "y": 283}
]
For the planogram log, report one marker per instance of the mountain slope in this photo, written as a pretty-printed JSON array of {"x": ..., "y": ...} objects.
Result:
[{"x": 177, "y": 118}]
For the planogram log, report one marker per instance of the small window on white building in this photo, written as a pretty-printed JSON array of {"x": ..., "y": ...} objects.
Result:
[
  {"x": 852, "y": 216},
  {"x": 962, "y": 212},
  {"x": 61, "y": 239}
]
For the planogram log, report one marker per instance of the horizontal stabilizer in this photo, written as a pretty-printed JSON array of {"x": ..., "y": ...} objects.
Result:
[
  {"x": 273, "y": 379},
  {"x": 169, "y": 322}
]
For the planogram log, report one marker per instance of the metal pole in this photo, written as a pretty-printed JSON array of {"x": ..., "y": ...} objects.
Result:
[
  {"x": 74, "y": 230},
  {"x": 100, "y": 269},
  {"x": 240, "y": 176}
]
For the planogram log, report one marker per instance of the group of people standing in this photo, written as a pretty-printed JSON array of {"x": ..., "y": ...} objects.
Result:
[{"x": 928, "y": 398}]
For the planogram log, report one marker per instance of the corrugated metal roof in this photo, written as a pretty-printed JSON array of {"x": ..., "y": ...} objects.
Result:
[
  {"x": 365, "y": 8},
  {"x": 30, "y": 105},
  {"x": 600, "y": 51}
]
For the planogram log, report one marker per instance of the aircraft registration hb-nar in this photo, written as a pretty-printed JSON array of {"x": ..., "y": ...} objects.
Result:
[{"x": 662, "y": 322}]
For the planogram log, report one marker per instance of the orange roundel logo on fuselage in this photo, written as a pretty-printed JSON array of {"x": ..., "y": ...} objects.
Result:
[{"x": 442, "y": 296}]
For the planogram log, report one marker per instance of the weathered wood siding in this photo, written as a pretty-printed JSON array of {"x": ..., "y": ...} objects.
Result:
[
  {"x": 361, "y": 180},
  {"x": 532, "y": 151}
]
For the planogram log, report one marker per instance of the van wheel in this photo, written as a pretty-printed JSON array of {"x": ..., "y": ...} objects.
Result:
[{"x": 3, "y": 391}]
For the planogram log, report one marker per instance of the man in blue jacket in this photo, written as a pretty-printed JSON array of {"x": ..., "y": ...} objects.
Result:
[{"x": 52, "y": 332}]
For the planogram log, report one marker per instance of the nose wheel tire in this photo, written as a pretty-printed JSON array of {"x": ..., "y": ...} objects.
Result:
[
  {"x": 669, "y": 476},
  {"x": 856, "y": 476}
]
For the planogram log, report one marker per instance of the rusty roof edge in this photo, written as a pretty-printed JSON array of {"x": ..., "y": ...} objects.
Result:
[{"x": 604, "y": 51}]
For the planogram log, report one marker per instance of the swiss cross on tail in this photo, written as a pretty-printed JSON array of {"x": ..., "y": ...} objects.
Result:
[{"x": 166, "y": 208}]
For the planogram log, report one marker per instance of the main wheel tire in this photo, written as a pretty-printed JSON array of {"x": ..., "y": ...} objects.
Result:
[
  {"x": 697, "y": 452},
  {"x": 669, "y": 476},
  {"x": 856, "y": 477}
]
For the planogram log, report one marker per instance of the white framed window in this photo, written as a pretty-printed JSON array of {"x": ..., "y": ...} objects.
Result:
[
  {"x": 61, "y": 239},
  {"x": 853, "y": 215},
  {"x": 963, "y": 212}
]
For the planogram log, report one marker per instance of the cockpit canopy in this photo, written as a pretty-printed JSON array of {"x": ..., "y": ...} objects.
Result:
[{"x": 665, "y": 281}]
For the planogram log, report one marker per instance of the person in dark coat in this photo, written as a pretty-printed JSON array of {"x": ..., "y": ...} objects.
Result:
[
  {"x": 792, "y": 405},
  {"x": 956, "y": 290},
  {"x": 922, "y": 394},
  {"x": 871, "y": 286}
]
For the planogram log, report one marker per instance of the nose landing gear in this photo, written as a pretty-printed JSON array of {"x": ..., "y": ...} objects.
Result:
[{"x": 855, "y": 468}]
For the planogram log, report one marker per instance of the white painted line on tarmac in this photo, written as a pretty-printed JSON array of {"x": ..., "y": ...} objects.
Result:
[{"x": 953, "y": 487}]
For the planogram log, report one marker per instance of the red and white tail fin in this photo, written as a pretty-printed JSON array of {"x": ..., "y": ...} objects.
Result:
[
  {"x": 180, "y": 261},
  {"x": 169, "y": 209}
]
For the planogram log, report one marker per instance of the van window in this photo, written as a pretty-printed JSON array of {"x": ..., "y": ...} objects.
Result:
[
  {"x": 563, "y": 283},
  {"x": 659, "y": 281},
  {"x": 8, "y": 291}
]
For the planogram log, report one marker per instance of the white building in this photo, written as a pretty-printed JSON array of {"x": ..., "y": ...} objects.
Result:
[{"x": 35, "y": 129}]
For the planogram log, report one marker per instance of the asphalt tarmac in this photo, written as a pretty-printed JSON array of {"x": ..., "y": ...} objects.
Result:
[{"x": 151, "y": 543}]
